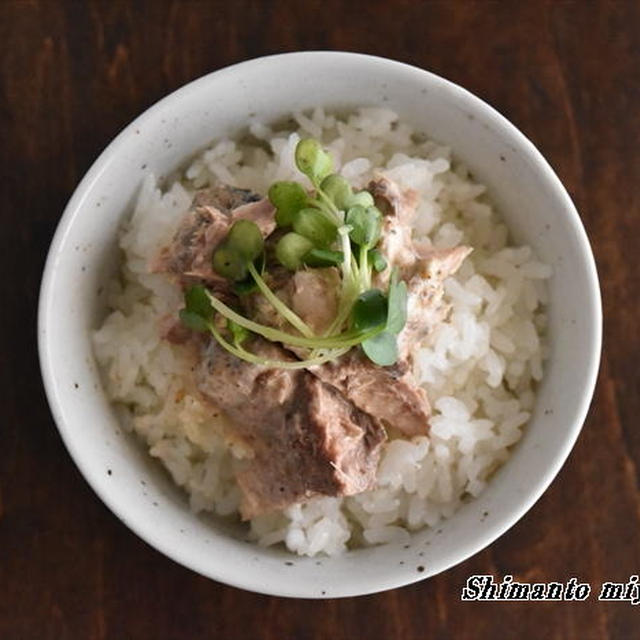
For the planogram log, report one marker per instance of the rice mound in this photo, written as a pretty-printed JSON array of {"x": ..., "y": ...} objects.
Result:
[{"x": 479, "y": 367}]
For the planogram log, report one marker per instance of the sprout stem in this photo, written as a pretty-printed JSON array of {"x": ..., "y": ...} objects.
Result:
[
  {"x": 329, "y": 203},
  {"x": 330, "y": 342},
  {"x": 330, "y": 213},
  {"x": 343, "y": 232},
  {"x": 239, "y": 352},
  {"x": 365, "y": 271},
  {"x": 279, "y": 306}
]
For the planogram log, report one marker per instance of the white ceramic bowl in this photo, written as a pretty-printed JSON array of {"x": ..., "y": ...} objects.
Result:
[{"x": 83, "y": 256}]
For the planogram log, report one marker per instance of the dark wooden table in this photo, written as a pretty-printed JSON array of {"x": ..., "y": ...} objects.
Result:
[{"x": 72, "y": 74}]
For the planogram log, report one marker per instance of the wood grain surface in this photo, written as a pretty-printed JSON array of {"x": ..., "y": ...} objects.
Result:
[{"x": 72, "y": 74}]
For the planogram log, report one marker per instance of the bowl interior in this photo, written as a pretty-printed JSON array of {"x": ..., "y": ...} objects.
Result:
[{"x": 83, "y": 256}]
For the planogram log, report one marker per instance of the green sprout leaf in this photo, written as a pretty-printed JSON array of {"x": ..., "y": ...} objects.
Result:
[
  {"x": 193, "y": 321},
  {"x": 381, "y": 349},
  {"x": 198, "y": 312},
  {"x": 288, "y": 198},
  {"x": 369, "y": 310},
  {"x": 238, "y": 333},
  {"x": 246, "y": 238},
  {"x": 291, "y": 249},
  {"x": 366, "y": 225},
  {"x": 197, "y": 300},
  {"x": 362, "y": 198},
  {"x": 230, "y": 263},
  {"x": 313, "y": 160},
  {"x": 248, "y": 285},
  {"x": 338, "y": 190},
  {"x": 377, "y": 260},
  {"x": 323, "y": 258},
  {"x": 397, "y": 316},
  {"x": 314, "y": 225},
  {"x": 244, "y": 244}
]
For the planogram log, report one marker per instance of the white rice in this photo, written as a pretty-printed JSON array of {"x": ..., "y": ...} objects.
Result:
[{"x": 479, "y": 367}]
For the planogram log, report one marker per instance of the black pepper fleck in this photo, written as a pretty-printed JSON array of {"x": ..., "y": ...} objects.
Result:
[
  {"x": 289, "y": 564},
  {"x": 76, "y": 385},
  {"x": 109, "y": 472},
  {"x": 420, "y": 569}
]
